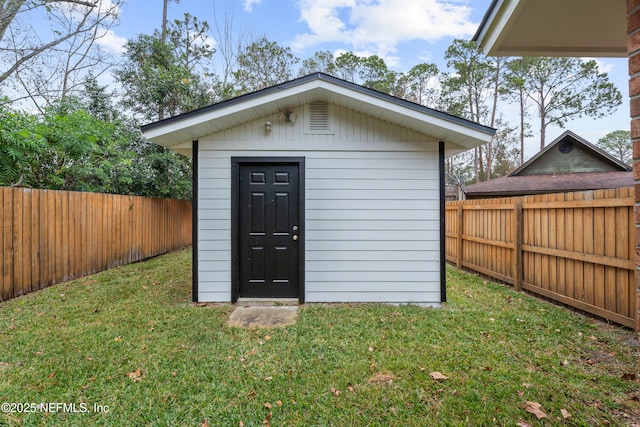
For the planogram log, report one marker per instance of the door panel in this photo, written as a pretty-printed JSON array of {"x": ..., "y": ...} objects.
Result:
[{"x": 268, "y": 227}]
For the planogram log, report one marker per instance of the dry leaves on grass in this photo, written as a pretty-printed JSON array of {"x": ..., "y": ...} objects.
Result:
[
  {"x": 136, "y": 375},
  {"x": 535, "y": 409},
  {"x": 267, "y": 418},
  {"x": 382, "y": 378},
  {"x": 438, "y": 376}
]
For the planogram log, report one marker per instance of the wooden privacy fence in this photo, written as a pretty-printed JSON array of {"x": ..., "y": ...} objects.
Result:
[
  {"x": 48, "y": 237},
  {"x": 574, "y": 248}
]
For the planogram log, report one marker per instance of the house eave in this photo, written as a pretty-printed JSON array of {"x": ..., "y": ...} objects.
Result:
[{"x": 582, "y": 28}]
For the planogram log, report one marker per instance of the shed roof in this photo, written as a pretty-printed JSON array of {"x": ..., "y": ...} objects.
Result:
[
  {"x": 178, "y": 132},
  {"x": 554, "y": 28}
]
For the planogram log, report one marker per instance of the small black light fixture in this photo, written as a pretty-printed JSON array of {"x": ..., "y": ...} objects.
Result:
[{"x": 290, "y": 116}]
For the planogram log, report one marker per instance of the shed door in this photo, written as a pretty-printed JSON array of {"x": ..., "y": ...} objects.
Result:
[{"x": 269, "y": 230}]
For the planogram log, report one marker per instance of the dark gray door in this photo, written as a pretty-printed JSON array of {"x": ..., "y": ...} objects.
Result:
[{"x": 268, "y": 223}]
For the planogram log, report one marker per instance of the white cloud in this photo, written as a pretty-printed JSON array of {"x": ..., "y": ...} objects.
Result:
[
  {"x": 112, "y": 42},
  {"x": 108, "y": 7},
  {"x": 380, "y": 25},
  {"x": 603, "y": 67},
  {"x": 248, "y": 5},
  {"x": 104, "y": 8}
]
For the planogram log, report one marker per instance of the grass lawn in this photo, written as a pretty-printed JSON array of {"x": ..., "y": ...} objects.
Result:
[{"x": 129, "y": 342}]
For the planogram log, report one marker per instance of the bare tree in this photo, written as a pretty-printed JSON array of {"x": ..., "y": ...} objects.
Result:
[
  {"x": 229, "y": 45},
  {"x": 45, "y": 63}
]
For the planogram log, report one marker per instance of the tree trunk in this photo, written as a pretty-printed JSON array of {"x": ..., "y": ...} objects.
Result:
[
  {"x": 542, "y": 132},
  {"x": 481, "y": 171},
  {"x": 521, "y": 128},
  {"x": 475, "y": 164},
  {"x": 164, "y": 22},
  {"x": 542, "y": 108}
]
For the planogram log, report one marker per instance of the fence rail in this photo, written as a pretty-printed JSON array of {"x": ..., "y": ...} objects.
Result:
[
  {"x": 48, "y": 237},
  {"x": 574, "y": 248}
]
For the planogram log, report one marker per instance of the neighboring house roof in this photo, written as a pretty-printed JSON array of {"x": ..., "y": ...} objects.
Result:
[
  {"x": 540, "y": 184},
  {"x": 178, "y": 132},
  {"x": 576, "y": 155},
  {"x": 594, "y": 28},
  {"x": 568, "y": 163}
]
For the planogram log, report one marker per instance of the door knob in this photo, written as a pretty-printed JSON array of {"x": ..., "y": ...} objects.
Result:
[{"x": 295, "y": 237}]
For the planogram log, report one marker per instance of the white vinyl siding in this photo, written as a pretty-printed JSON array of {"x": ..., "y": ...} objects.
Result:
[{"x": 372, "y": 208}]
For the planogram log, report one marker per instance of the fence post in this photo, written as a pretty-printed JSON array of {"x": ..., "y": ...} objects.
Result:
[
  {"x": 459, "y": 238},
  {"x": 517, "y": 247}
]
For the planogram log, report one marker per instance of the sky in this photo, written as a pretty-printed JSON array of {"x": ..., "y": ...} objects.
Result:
[{"x": 403, "y": 32}]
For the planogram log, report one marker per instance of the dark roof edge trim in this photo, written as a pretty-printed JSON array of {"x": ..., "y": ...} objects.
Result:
[{"x": 485, "y": 20}]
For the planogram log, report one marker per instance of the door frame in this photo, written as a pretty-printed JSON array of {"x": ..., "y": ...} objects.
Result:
[{"x": 236, "y": 162}]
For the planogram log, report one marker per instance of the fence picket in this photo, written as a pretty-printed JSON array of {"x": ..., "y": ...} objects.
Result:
[
  {"x": 47, "y": 236},
  {"x": 575, "y": 248}
]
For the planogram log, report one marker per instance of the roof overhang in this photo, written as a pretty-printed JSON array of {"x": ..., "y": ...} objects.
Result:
[
  {"x": 582, "y": 28},
  {"x": 178, "y": 132},
  {"x": 508, "y": 186}
]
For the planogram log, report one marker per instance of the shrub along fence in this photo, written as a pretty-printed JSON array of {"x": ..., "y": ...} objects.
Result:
[
  {"x": 48, "y": 237},
  {"x": 574, "y": 248}
]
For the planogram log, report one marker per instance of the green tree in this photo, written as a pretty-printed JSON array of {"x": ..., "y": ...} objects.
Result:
[
  {"x": 369, "y": 71},
  {"x": 375, "y": 74},
  {"x": 65, "y": 149},
  {"x": 97, "y": 101},
  {"x": 83, "y": 152},
  {"x": 505, "y": 150},
  {"x": 321, "y": 61},
  {"x": 262, "y": 64},
  {"x": 420, "y": 85},
  {"x": 347, "y": 67},
  {"x": 20, "y": 146},
  {"x": 85, "y": 145},
  {"x": 141, "y": 168},
  {"x": 618, "y": 143},
  {"x": 189, "y": 39},
  {"x": 152, "y": 80},
  {"x": 474, "y": 87},
  {"x": 163, "y": 79},
  {"x": 564, "y": 89},
  {"x": 515, "y": 90}
]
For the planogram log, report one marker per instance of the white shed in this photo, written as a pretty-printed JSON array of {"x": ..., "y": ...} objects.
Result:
[{"x": 321, "y": 190}]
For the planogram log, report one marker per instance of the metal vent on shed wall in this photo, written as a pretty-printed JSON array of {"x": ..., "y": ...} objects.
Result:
[{"x": 317, "y": 118}]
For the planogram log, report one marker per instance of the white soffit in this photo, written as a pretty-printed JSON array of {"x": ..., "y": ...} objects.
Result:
[
  {"x": 583, "y": 28},
  {"x": 178, "y": 132}
]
